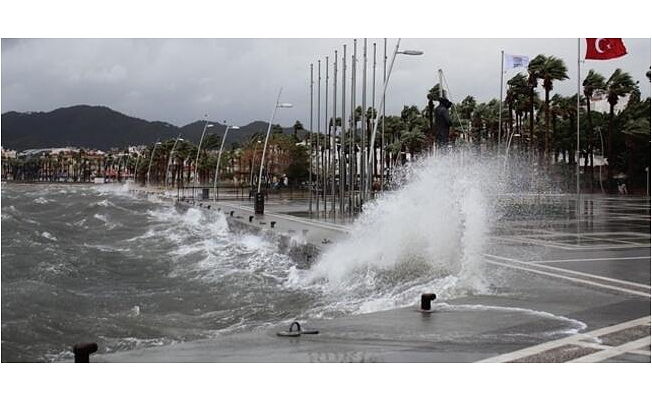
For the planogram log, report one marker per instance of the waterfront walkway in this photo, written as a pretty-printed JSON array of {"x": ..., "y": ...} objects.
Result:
[{"x": 574, "y": 287}]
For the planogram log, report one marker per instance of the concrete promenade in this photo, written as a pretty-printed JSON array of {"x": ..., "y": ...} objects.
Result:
[{"x": 574, "y": 287}]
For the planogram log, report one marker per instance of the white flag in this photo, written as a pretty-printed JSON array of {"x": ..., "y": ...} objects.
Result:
[{"x": 515, "y": 61}]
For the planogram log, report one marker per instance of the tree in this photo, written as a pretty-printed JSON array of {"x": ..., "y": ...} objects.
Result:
[
  {"x": 517, "y": 101},
  {"x": 413, "y": 140},
  {"x": 466, "y": 107},
  {"x": 619, "y": 85},
  {"x": 548, "y": 69},
  {"x": 298, "y": 126},
  {"x": 593, "y": 81}
]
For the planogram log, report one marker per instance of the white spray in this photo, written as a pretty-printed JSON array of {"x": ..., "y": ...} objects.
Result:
[{"x": 428, "y": 235}]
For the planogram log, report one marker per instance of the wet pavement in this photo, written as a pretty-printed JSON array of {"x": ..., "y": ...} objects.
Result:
[{"x": 573, "y": 287}]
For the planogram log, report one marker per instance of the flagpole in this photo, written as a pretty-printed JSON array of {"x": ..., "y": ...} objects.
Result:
[
  {"x": 312, "y": 82},
  {"x": 342, "y": 172},
  {"x": 333, "y": 152},
  {"x": 318, "y": 140},
  {"x": 500, "y": 99},
  {"x": 577, "y": 161},
  {"x": 325, "y": 156}
]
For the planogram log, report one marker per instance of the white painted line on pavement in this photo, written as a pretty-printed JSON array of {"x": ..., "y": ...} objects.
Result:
[
  {"x": 574, "y": 339},
  {"x": 590, "y": 283},
  {"x": 591, "y": 259},
  {"x": 612, "y": 351},
  {"x": 570, "y": 247},
  {"x": 584, "y": 274}
]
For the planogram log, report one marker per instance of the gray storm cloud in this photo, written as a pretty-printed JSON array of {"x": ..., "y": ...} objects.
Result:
[{"x": 181, "y": 80}]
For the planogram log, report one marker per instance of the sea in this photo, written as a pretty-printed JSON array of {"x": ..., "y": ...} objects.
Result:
[{"x": 96, "y": 263}]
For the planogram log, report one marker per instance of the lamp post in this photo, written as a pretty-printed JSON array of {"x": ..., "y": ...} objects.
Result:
[
  {"x": 149, "y": 168},
  {"x": 206, "y": 126},
  {"x": 259, "y": 206},
  {"x": 219, "y": 156},
  {"x": 382, "y": 102},
  {"x": 167, "y": 170}
]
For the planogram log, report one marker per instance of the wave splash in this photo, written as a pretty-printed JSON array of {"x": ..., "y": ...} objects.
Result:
[{"x": 427, "y": 236}]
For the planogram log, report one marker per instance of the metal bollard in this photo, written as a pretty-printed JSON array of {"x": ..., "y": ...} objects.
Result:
[
  {"x": 259, "y": 204},
  {"x": 426, "y": 298},
  {"x": 83, "y": 351}
]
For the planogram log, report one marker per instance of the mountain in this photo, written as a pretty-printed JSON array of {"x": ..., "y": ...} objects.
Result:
[{"x": 97, "y": 127}]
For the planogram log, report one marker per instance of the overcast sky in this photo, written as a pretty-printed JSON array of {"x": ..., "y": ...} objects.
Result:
[{"x": 237, "y": 80}]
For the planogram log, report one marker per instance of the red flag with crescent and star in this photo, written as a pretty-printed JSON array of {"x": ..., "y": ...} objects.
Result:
[{"x": 604, "y": 49}]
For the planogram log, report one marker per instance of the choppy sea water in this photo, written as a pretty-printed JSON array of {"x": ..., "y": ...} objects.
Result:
[{"x": 94, "y": 263}]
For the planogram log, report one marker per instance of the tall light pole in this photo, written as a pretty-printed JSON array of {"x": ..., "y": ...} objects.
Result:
[
  {"x": 259, "y": 206},
  {"x": 149, "y": 168},
  {"x": 389, "y": 72},
  {"x": 206, "y": 126},
  {"x": 219, "y": 156},
  {"x": 167, "y": 170}
]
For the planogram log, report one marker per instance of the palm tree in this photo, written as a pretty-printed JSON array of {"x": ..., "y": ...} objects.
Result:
[
  {"x": 549, "y": 69},
  {"x": 532, "y": 84},
  {"x": 619, "y": 85},
  {"x": 518, "y": 97},
  {"x": 413, "y": 140},
  {"x": 298, "y": 126},
  {"x": 593, "y": 81}
]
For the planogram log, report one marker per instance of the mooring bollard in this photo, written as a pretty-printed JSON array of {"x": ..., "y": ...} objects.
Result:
[
  {"x": 426, "y": 298},
  {"x": 83, "y": 351}
]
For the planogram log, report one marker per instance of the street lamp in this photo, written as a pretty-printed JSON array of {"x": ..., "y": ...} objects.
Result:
[
  {"x": 219, "y": 156},
  {"x": 207, "y": 125},
  {"x": 149, "y": 168},
  {"x": 167, "y": 170},
  {"x": 382, "y": 105},
  {"x": 259, "y": 206}
]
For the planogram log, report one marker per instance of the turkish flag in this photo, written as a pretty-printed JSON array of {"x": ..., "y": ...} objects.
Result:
[{"x": 604, "y": 49}]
